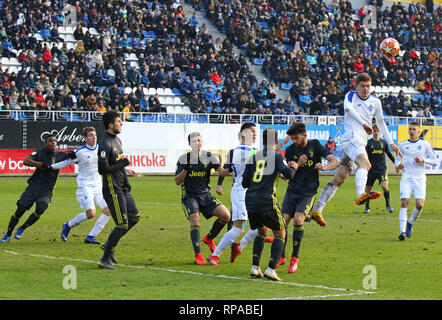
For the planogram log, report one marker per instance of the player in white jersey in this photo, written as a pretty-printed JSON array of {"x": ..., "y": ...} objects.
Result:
[
  {"x": 417, "y": 154},
  {"x": 360, "y": 108},
  {"x": 89, "y": 183},
  {"x": 236, "y": 162}
]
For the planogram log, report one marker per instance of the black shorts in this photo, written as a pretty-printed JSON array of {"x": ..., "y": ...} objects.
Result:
[
  {"x": 297, "y": 203},
  {"x": 269, "y": 216},
  {"x": 204, "y": 204},
  {"x": 122, "y": 206},
  {"x": 373, "y": 176},
  {"x": 30, "y": 196}
]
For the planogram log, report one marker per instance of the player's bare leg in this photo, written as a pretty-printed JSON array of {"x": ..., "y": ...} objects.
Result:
[{"x": 328, "y": 192}]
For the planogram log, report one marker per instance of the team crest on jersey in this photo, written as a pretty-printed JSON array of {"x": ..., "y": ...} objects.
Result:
[
  {"x": 370, "y": 108},
  {"x": 311, "y": 154},
  {"x": 420, "y": 147},
  {"x": 103, "y": 154}
]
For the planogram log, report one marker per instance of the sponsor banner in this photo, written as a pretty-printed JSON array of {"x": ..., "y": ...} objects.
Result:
[
  {"x": 323, "y": 132},
  {"x": 11, "y": 161},
  {"x": 173, "y": 136},
  {"x": 432, "y": 134},
  {"x": 11, "y": 134},
  {"x": 68, "y": 134}
]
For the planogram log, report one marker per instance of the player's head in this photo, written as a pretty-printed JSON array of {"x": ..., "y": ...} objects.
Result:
[
  {"x": 376, "y": 132},
  {"x": 298, "y": 133},
  {"x": 414, "y": 130},
  {"x": 195, "y": 141},
  {"x": 270, "y": 138},
  {"x": 90, "y": 136},
  {"x": 50, "y": 142},
  {"x": 247, "y": 133},
  {"x": 112, "y": 121},
  {"x": 363, "y": 85}
]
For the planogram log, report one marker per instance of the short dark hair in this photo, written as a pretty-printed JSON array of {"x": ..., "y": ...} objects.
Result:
[
  {"x": 109, "y": 117},
  {"x": 269, "y": 137},
  {"x": 247, "y": 125},
  {"x": 193, "y": 134},
  {"x": 363, "y": 77},
  {"x": 296, "y": 128},
  {"x": 49, "y": 135},
  {"x": 414, "y": 123},
  {"x": 86, "y": 130}
]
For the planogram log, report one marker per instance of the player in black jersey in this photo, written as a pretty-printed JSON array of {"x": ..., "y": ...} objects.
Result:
[
  {"x": 261, "y": 176},
  {"x": 302, "y": 189},
  {"x": 193, "y": 174},
  {"x": 40, "y": 185},
  {"x": 376, "y": 149},
  {"x": 116, "y": 186}
]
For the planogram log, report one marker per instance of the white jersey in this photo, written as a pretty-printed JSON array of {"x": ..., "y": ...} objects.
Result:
[
  {"x": 87, "y": 160},
  {"x": 359, "y": 112},
  {"x": 411, "y": 150},
  {"x": 238, "y": 159}
]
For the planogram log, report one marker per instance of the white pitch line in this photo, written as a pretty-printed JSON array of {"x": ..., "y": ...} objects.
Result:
[
  {"x": 320, "y": 296},
  {"x": 354, "y": 291},
  {"x": 381, "y": 217}
]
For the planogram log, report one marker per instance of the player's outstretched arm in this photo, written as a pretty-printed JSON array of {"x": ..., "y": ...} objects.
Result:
[
  {"x": 30, "y": 162},
  {"x": 63, "y": 164}
]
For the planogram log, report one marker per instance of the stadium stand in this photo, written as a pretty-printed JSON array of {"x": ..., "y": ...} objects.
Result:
[{"x": 143, "y": 56}]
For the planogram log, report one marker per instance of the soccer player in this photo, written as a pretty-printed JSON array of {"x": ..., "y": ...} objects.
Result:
[
  {"x": 301, "y": 191},
  {"x": 236, "y": 162},
  {"x": 417, "y": 154},
  {"x": 89, "y": 191},
  {"x": 376, "y": 149},
  {"x": 360, "y": 108},
  {"x": 116, "y": 186},
  {"x": 261, "y": 178},
  {"x": 193, "y": 175},
  {"x": 40, "y": 185}
]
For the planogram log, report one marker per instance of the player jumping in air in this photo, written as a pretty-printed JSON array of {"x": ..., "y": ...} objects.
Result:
[{"x": 360, "y": 109}]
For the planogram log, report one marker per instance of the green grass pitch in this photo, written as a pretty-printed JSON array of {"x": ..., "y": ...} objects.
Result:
[{"x": 356, "y": 256}]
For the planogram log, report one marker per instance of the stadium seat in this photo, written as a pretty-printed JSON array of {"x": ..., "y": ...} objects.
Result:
[
  {"x": 170, "y": 109},
  {"x": 152, "y": 91},
  {"x": 168, "y": 91},
  {"x": 168, "y": 100},
  {"x": 177, "y": 101},
  {"x": 178, "y": 109},
  {"x": 160, "y": 91},
  {"x": 186, "y": 109},
  {"x": 128, "y": 90},
  {"x": 258, "y": 62}
]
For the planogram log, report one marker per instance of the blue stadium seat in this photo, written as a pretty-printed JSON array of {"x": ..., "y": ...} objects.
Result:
[{"x": 258, "y": 62}]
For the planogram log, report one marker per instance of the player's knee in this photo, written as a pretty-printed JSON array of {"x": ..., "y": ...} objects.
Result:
[
  {"x": 40, "y": 207},
  {"x": 90, "y": 213},
  {"x": 405, "y": 203},
  {"x": 299, "y": 219},
  {"x": 20, "y": 211}
]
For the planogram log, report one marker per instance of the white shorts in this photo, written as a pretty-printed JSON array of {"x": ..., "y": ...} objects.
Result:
[
  {"x": 413, "y": 186},
  {"x": 87, "y": 197},
  {"x": 238, "y": 199},
  {"x": 353, "y": 147}
]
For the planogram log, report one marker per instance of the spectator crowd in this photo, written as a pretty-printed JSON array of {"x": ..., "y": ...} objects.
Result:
[{"x": 313, "y": 48}]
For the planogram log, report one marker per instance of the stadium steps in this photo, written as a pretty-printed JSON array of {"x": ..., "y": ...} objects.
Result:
[{"x": 215, "y": 33}]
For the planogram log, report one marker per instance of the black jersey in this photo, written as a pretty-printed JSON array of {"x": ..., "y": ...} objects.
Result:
[
  {"x": 197, "y": 180},
  {"x": 111, "y": 164},
  {"x": 306, "y": 180},
  {"x": 261, "y": 176},
  {"x": 376, "y": 151},
  {"x": 43, "y": 181}
]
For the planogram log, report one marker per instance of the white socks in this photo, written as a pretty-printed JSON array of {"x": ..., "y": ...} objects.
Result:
[
  {"x": 403, "y": 212},
  {"x": 77, "y": 220},
  {"x": 361, "y": 181},
  {"x": 326, "y": 194},
  {"x": 249, "y": 237},
  {"x": 227, "y": 240},
  {"x": 99, "y": 225},
  {"x": 414, "y": 215}
]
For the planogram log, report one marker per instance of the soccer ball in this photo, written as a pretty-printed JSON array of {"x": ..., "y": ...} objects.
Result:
[{"x": 390, "y": 47}]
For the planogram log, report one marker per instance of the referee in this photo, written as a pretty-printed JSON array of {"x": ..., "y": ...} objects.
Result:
[
  {"x": 116, "y": 187},
  {"x": 40, "y": 185}
]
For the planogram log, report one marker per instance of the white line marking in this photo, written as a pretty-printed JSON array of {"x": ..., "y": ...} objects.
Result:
[
  {"x": 320, "y": 296},
  {"x": 351, "y": 291},
  {"x": 377, "y": 217}
]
